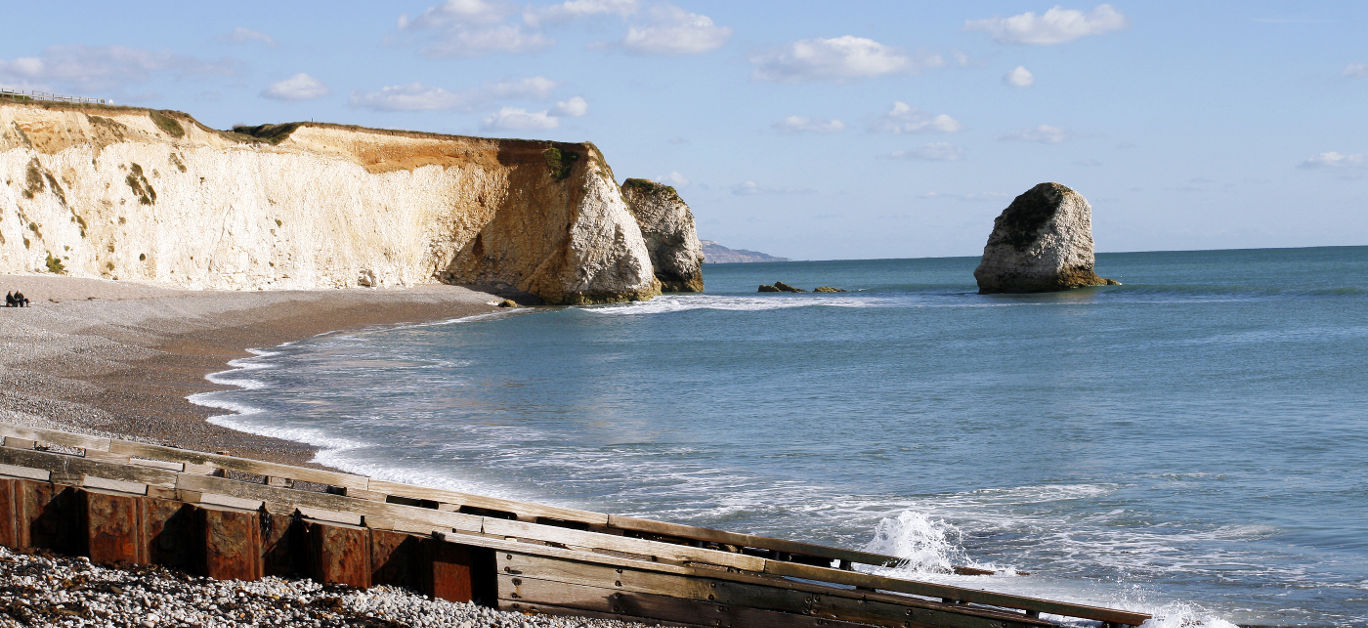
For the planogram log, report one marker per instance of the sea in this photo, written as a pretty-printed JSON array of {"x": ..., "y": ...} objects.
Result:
[{"x": 1192, "y": 443}]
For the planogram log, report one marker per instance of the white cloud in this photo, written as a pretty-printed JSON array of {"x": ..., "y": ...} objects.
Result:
[
  {"x": 1056, "y": 26},
  {"x": 1019, "y": 77},
  {"x": 420, "y": 97},
  {"x": 244, "y": 35},
  {"x": 751, "y": 188},
  {"x": 1344, "y": 162},
  {"x": 1042, "y": 133},
  {"x": 967, "y": 196},
  {"x": 298, "y": 87},
  {"x": 800, "y": 124},
  {"x": 674, "y": 178},
  {"x": 88, "y": 69},
  {"x": 573, "y": 108},
  {"x": 934, "y": 151},
  {"x": 513, "y": 119},
  {"x": 456, "y": 12},
  {"x": 473, "y": 42},
  {"x": 671, "y": 30},
  {"x": 576, "y": 9},
  {"x": 471, "y": 28},
  {"x": 836, "y": 59},
  {"x": 903, "y": 118},
  {"x": 1356, "y": 70}
]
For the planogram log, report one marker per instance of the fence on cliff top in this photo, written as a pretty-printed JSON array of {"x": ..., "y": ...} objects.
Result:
[{"x": 20, "y": 94}]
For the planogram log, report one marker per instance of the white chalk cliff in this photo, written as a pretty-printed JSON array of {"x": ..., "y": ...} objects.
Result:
[
  {"x": 132, "y": 194},
  {"x": 667, "y": 224}
]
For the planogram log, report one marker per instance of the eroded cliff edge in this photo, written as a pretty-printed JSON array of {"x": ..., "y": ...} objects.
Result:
[{"x": 135, "y": 194}]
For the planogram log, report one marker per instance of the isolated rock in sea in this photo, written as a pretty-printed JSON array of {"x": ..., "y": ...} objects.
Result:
[
  {"x": 1042, "y": 242},
  {"x": 827, "y": 289},
  {"x": 779, "y": 286},
  {"x": 136, "y": 194},
  {"x": 667, "y": 224}
]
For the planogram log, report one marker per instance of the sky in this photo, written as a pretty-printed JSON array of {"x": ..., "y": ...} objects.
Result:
[{"x": 806, "y": 129}]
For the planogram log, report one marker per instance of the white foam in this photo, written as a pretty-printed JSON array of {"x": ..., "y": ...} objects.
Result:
[
  {"x": 681, "y": 303},
  {"x": 926, "y": 544}
]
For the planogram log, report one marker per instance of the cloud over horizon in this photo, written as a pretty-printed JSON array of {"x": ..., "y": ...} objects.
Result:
[
  {"x": 670, "y": 30},
  {"x": 1041, "y": 133},
  {"x": 1056, "y": 26},
  {"x": 838, "y": 59},
  {"x": 903, "y": 118},
  {"x": 419, "y": 97},
  {"x": 109, "y": 69},
  {"x": 800, "y": 124},
  {"x": 296, "y": 88}
]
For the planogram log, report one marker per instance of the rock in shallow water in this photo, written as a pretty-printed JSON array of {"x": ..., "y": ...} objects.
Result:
[{"x": 1042, "y": 242}]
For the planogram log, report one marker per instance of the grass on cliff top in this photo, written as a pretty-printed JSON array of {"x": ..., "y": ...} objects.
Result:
[
  {"x": 560, "y": 162},
  {"x": 166, "y": 123},
  {"x": 271, "y": 133},
  {"x": 647, "y": 186}
]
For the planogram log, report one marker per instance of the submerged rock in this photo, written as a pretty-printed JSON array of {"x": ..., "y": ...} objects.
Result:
[
  {"x": 667, "y": 224},
  {"x": 1042, "y": 242},
  {"x": 827, "y": 289}
]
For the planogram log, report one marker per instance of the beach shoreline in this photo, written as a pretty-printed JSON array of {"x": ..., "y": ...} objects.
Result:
[{"x": 120, "y": 359}]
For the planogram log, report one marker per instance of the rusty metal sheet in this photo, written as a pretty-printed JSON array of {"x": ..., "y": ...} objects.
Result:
[
  {"x": 339, "y": 554},
  {"x": 113, "y": 528},
  {"x": 232, "y": 542}
]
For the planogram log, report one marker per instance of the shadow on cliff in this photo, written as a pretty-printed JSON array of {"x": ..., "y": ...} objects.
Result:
[{"x": 522, "y": 250}]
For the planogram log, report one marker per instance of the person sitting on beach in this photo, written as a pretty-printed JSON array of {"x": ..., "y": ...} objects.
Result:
[
  {"x": 9, "y": 300},
  {"x": 20, "y": 300}
]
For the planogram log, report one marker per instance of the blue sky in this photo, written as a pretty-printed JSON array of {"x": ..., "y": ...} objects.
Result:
[{"x": 813, "y": 130}]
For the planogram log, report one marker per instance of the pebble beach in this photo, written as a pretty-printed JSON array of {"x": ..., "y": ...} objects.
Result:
[{"x": 118, "y": 359}]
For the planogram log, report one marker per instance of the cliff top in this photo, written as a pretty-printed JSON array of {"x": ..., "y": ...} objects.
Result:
[{"x": 107, "y": 124}]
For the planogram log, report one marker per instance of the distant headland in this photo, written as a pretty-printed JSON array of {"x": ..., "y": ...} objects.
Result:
[{"x": 714, "y": 253}]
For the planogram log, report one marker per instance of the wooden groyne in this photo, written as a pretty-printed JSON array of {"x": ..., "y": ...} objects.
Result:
[{"x": 121, "y": 502}]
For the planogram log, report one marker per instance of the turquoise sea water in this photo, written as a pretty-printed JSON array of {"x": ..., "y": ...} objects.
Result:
[{"x": 1193, "y": 443}]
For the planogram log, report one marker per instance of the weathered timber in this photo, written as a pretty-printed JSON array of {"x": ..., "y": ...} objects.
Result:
[
  {"x": 772, "y": 594},
  {"x": 127, "y": 502},
  {"x": 517, "y": 591},
  {"x": 959, "y": 594}
]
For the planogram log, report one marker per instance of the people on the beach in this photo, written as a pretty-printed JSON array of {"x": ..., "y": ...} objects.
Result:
[{"x": 16, "y": 299}]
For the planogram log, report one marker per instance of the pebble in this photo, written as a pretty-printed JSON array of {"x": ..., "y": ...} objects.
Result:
[{"x": 51, "y": 590}]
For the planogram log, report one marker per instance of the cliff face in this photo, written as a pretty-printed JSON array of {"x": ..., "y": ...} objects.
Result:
[
  {"x": 671, "y": 237},
  {"x": 145, "y": 195},
  {"x": 1041, "y": 242}
]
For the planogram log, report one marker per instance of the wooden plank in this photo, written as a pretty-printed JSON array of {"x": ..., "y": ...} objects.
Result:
[
  {"x": 1003, "y": 600},
  {"x": 109, "y": 484},
  {"x": 653, "y": 550},
  {"x": 65, "y": 439},
  {"x": 14, "y": 471},
  {"x": 530, "y": 608},
  {"x": 724, "y": 537},
  {"x": 522, "y": 509},
  {"x": 516, "y": 590},
  {"x": 773, "y": 594},
  {"x": 243, "y": 465},
  {"x": 294, "y": 499},
  {"x": 65, "y": 467}
]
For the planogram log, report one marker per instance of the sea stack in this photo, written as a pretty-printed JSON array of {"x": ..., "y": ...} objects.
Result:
[
  {"x": 1042, "y": 242},
  {"x": 667, "y": 224}
]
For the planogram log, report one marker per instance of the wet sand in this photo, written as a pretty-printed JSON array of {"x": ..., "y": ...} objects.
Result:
[{"x": 118, "y": 359}]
